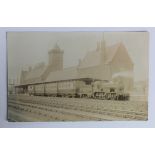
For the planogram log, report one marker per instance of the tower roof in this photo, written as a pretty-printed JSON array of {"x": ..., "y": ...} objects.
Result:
[{"x": 56, "y": 48}]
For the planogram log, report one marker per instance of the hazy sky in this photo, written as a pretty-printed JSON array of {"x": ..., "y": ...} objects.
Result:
[{"x": 30, "y": 48}]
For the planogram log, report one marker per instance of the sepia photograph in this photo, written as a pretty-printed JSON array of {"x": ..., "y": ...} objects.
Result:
[{"x": 77, "y": 76}]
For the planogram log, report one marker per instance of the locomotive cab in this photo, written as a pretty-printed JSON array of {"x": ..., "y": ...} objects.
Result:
[
  {"x": 100, "y": 90},
  {"x": 109, "y": 91}
]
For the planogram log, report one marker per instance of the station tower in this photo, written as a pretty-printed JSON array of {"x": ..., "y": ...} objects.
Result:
[{"x": 55, "y": 58}]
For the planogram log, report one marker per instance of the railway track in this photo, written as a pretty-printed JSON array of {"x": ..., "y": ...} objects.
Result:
[
  {"x": 116, "y": 105},
  {"x": 47, "y": 113},
  {"x": 60, "y": 109}
]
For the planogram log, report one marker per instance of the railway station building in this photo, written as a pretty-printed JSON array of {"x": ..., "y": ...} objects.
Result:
[{"x": 104, "y": 63}]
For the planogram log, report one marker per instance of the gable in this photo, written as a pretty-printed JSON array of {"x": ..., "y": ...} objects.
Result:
[
  {"x": 110, "y": 52},
  {"x": 121, "y": 56},
  {"x": 94, "y": 58}
]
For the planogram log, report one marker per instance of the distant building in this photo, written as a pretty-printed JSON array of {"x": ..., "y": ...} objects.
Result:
[
  {"x": 11, "y": 86},
  {"x": 104, "y": 63}
]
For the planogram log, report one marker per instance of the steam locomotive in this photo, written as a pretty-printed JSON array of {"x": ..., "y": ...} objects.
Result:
[{"x": 79, "y": 88}]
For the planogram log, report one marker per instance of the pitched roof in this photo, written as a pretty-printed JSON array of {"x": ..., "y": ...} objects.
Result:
[
  {"x": 111, "y": 51},
  {"x": 66, "y": 74},
  {"x": 93, "y": 58},
  {"x": 35, "y": 74}
]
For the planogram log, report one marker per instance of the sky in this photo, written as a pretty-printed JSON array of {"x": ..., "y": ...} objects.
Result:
[{"x": 29, "y": 48}]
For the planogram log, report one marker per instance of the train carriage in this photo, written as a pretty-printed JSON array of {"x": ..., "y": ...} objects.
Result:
[
  {"x": 85, "y": 87},
  {"x": 31, "y": 90},
  {"x": 39, "y": 89},
  {"x": 51, "y": 89},
  {"x": 19, "y": 90},
  {"x": 67, "y": 88}
]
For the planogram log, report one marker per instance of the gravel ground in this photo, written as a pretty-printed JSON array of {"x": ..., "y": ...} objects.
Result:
[{"x": 24, "y": 108}]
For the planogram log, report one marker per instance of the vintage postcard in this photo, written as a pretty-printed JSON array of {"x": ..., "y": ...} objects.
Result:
[{"x": 77, "y": 76}]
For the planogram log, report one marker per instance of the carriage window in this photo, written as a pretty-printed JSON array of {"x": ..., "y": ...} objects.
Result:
[
  {"x": 87, "y": 82},
  {"x": 112, "y": 90}
]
